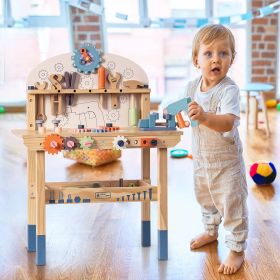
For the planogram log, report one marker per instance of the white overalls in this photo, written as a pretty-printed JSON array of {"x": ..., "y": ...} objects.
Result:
[{"x": 219, "y": 176}]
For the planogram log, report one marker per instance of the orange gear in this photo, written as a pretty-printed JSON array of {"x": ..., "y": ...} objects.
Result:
[{"x": 53, "y": 143}]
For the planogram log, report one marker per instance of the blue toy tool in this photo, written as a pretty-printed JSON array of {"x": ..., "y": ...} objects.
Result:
[{"x": 179, "y": 106}]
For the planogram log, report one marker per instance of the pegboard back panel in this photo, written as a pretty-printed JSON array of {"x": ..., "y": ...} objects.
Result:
[{"x": 84, "y": 100}]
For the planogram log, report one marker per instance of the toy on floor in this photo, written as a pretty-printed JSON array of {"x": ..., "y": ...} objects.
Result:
[
  {"x": 263, "y": 173},
  {"x": 2, "y": 110},
  {"x": 180, "y": 153},
  {"x": 278, "y": 107},
  {"x": 271, "y": 103}
]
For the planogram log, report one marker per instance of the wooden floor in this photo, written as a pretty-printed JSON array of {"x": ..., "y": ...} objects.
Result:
[{"x": 102, "y": 241}]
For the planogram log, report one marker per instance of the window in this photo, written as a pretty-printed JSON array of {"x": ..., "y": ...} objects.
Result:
[
  {"x": 124, "y": 7},
  {"x": 28, "y": 8},
  {"x": 229, "y": 7},
  {"x": 176, "y": 8},
  {"x": 21, "y": 48},
  {"x": 1, "y": 10},
  {"x": 168, "y": 62}
]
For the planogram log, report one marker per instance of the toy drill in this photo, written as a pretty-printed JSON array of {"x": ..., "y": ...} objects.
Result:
[{"x": 177, "y": 107}]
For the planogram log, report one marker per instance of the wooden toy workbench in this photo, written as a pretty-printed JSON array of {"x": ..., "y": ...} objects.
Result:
[{"x": 91, "y": 107}]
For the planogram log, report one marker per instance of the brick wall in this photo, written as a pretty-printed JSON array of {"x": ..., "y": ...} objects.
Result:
[
  {"x": 86, "y": 28},
  {"x": 264, "y": 45}
]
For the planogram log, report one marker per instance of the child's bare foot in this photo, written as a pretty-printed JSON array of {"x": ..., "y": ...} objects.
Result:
[
  {"x": 202, "y": 240},
  {"x": 232, "y": 263}
]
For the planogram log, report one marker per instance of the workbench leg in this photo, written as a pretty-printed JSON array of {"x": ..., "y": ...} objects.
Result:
[
  {"x": 162, "y": 204},
  {"x": 31, "y": 202},
  {"x": 145, "y": 205},
  {"x": 40, "y": 209}
]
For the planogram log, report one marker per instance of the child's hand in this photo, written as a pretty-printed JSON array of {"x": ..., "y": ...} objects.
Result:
[{"x": 196, "y": 112}]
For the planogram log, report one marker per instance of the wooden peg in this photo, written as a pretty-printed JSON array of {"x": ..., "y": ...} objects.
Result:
[
  {"x": 132, "y": 111},
  {"x": 101, "y": 85},
  {"x": 101, "y": 77},
  {"x": 40, "y": 127}
]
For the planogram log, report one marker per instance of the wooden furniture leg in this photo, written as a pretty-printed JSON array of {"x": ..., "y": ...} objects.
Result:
[
  {"x": 40, "y": 209},
  {"x": 162, "y": 204},
  {"x": 145, "y": 205},
  {"x": 256, "y": 108},
  {"x": 31, "y": 202},
  {"x": 247, "y": 108},
  {"x": 264, "y": 109}
]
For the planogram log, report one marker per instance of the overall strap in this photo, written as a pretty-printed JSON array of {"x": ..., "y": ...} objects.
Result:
[{"x": 191, "y": 88}]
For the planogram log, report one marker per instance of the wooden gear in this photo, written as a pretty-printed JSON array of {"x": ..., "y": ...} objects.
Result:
[{"x": 53, "y": 143}]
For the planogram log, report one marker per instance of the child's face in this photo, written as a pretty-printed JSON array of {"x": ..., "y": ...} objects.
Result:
[{"x": 214, "y": 61}]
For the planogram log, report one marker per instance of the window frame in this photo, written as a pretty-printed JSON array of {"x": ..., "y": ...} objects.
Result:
[
  {"x": 35, "y": 21},
  {"x": 144, "y": 15}
]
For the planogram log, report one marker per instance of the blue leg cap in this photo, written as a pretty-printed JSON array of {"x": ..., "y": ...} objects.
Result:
[
  {"x": 41, "y": 250},
  {"x": 31, "y": 238},
  {"x": 146, "y": 233},
  {"x": 162, "y": 245}
]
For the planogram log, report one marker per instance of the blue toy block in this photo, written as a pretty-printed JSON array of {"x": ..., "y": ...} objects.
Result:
[
  {"x": 143, "y": 123},
  {"x": 152, "y": 120}
]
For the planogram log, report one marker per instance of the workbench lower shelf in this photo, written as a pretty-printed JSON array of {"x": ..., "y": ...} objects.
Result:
[{"x": 100, "y": 191}]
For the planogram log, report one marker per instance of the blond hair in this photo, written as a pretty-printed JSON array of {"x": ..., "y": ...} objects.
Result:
[{"x": 208, "y": 34}]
